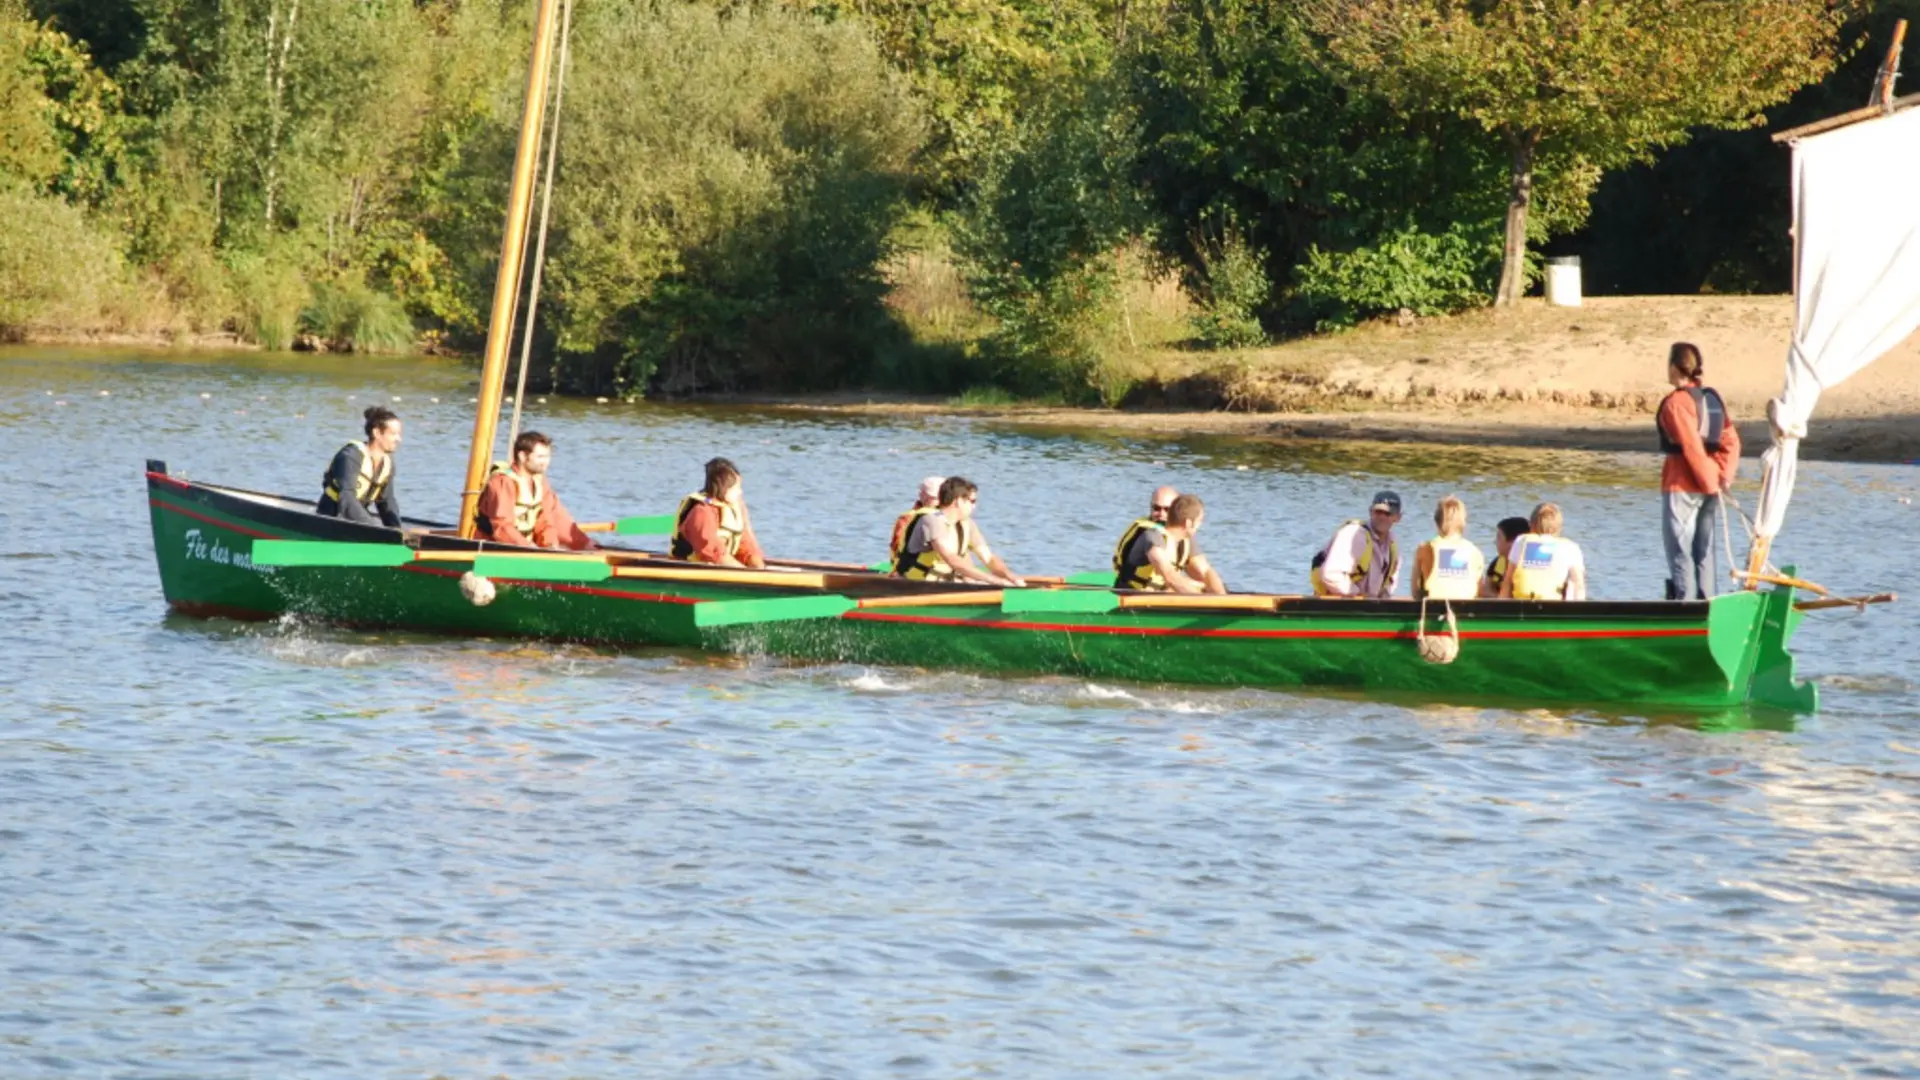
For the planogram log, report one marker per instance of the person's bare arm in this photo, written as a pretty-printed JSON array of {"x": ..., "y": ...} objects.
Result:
[
  {"x": 963, "y": 567},
  {"x": 1201, "y": 570},
  {"x": 1176, "y": 579},
  {"x": 1422, "y": 566}
]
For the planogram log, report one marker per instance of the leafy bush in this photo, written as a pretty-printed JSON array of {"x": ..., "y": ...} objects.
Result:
[
  {"x": 1233, "y": 287},
  {"x": 1042, "y": 236},
  {"x": 271, "y": 294},
  {"x": 728, "y": 185},
  {"x": 1427, "y": 273},
  {"x": 349, "y": 316},
  {"x": 57, "y": 268}
]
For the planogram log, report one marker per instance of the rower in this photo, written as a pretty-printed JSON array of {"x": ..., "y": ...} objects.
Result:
[
  {"x": 1504, "y": 534},
  {"x": 518, "y": 505},
  {"x": 1362, "y": 559},
  {"x": 1160, "y": 557},
  {"x": 1449, "y": 566},
  {"x": 1546, "y": 565},
  {"x": 365, "y": 469},
  {"x": 943, "y": 546},
  {"x": 1158, "y": 505},
  {"x": 926, "y": 501},
  {"x": 712, "y": 526}
]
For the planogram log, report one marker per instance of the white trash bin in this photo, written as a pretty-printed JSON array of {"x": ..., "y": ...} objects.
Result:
[{"x": 1563, "y": 281}]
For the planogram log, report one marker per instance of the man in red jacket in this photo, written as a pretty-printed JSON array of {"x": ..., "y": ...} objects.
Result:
[{"x": 1703, "y": 451}]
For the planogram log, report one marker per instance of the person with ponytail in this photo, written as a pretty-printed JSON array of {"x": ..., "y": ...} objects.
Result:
[
  {"x": 358, "y": 485},
  {"x": 1702, "y": 450}
]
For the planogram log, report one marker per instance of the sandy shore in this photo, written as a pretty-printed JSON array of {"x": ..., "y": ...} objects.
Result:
[{"x": 1568, "y": 378}]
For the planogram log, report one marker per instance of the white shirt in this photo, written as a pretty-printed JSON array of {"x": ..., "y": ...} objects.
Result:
[{"x": 1343, "y": 554}]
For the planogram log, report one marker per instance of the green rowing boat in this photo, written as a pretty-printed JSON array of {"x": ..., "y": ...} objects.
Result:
[{"x": 1727, "y": 652}]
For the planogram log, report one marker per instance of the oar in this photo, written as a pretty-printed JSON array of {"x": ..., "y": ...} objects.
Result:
[
  {"x": 1064, "y": 601},
  {"x": 1091, "y": 577},
  {"x": 648, "y": 525},
  {"x": 1846, "y": 601},
  {"x": 711, "y": 613},
  {"x": 339, "y": 553},
  {"x": 1781, "y": 579}
]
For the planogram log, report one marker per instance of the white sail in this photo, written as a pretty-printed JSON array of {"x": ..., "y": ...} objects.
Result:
[{"x": 1856, "y": 222}]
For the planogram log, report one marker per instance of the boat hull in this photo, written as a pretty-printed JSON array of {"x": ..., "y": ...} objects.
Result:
[{"x": 1714, "y": 655}]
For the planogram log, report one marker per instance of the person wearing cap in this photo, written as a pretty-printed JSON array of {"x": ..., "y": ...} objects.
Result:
[
  {"x": 1546, "y": 565},
  {"x": 1504, "y": 534},
  {"x": 1449, "y": 566},
  {"x": 925, "y": 502},
  {"x": 1362, "y": 559},
  {"x": 1162, "y": 553}
]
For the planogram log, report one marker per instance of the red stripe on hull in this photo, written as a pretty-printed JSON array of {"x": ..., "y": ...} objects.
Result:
[{"x": 183, "y": 511}]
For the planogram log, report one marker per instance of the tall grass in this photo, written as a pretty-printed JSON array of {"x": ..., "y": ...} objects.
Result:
[
  {"x": 348, "y": 316},
  {"x": 58, "y": 270}
]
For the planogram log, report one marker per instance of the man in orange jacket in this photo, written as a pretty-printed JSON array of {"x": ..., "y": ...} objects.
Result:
[
  {"x": 1703, "y": 451},
  {"x": 518, "y": 505}
]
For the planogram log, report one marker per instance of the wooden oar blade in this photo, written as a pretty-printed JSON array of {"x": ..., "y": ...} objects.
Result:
[
  {"x": 780, "y": 609},
  {"x": 646, "y": 525},
  {"x": 541, "y": 568},
  {"x": 1092, "y": 577},
  {"x": 328, "y": 553},
  {"x": 1073, "y": 601}
]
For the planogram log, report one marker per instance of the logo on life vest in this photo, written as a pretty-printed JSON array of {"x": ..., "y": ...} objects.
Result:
[
  {"x": 1453, "y": 564},
  {"x": 1538, "y": 555}
]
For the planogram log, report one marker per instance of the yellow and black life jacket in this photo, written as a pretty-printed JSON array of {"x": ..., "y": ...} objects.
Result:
[
  {"x": 1541, "y": 566},
  {"x": 528, "y": 494},
  {"x": 1360, "y": 565},
  {"x": 926, "y": 564},
  {"x": 732, "y": 527},
  {"x": 1497, "y": 574},
  {"x": 903, "y": 528},
  {"x": 1128, "y": 574},
  {"x": 369, "y": 485},
  {"x": 1457, "y": 565}
]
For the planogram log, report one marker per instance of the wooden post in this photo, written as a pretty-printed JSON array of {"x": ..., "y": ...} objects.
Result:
[
  {"x": 506, "y": 286},
  {"x": 1889, "y": 69}
]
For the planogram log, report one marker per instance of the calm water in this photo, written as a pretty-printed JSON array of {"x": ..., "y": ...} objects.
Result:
[{"x": 278, "y": 851}]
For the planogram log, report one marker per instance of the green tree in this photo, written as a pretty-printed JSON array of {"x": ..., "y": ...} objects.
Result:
[
  {"x": 1603, "y": 82},
  {"x": 727, "y": 182}
]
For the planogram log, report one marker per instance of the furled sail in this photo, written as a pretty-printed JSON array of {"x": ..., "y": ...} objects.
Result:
[{"x": 1856, "y": 227}]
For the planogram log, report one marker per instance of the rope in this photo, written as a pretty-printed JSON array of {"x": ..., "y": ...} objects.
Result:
[{"x": 546, "y": 211}]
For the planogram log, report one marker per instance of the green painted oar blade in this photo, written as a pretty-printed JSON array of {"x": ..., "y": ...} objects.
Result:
[
  {"x": 1092, "y": 577},
  {"x": 1077, "y": 601},
  {"x": 650, "y": 525},
  {"x": 328, "y": 553},
  {"x": 540, "y": 568},
  {"x": 779, "y": 609}
]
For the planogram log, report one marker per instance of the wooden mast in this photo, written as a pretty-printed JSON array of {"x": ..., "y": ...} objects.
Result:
[{"x": 506, "y": 288}]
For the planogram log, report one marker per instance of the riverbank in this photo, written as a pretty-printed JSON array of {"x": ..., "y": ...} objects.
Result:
[{"x": 1587, "y": 378}]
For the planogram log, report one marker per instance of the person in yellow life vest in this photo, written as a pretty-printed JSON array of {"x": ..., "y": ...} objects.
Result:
[
  {"x": 927, "y": 501},
  {"x": 1546, "y": 565},
  {"x": 1164, "y": 557},
  {"x": 1362, "y": 559},
  {"x": 1449, "y": 566},
  {"x": 1504, "y": 534},
  {"x": 945, "y": 546},
  {"x": 712, "y": 526},
  {"x": 518, "y": 505},
  {"x": 358, "y": 485}
]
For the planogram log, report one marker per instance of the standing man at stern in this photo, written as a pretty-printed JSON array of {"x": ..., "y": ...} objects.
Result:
[{"x": 1702, "y": 450}]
